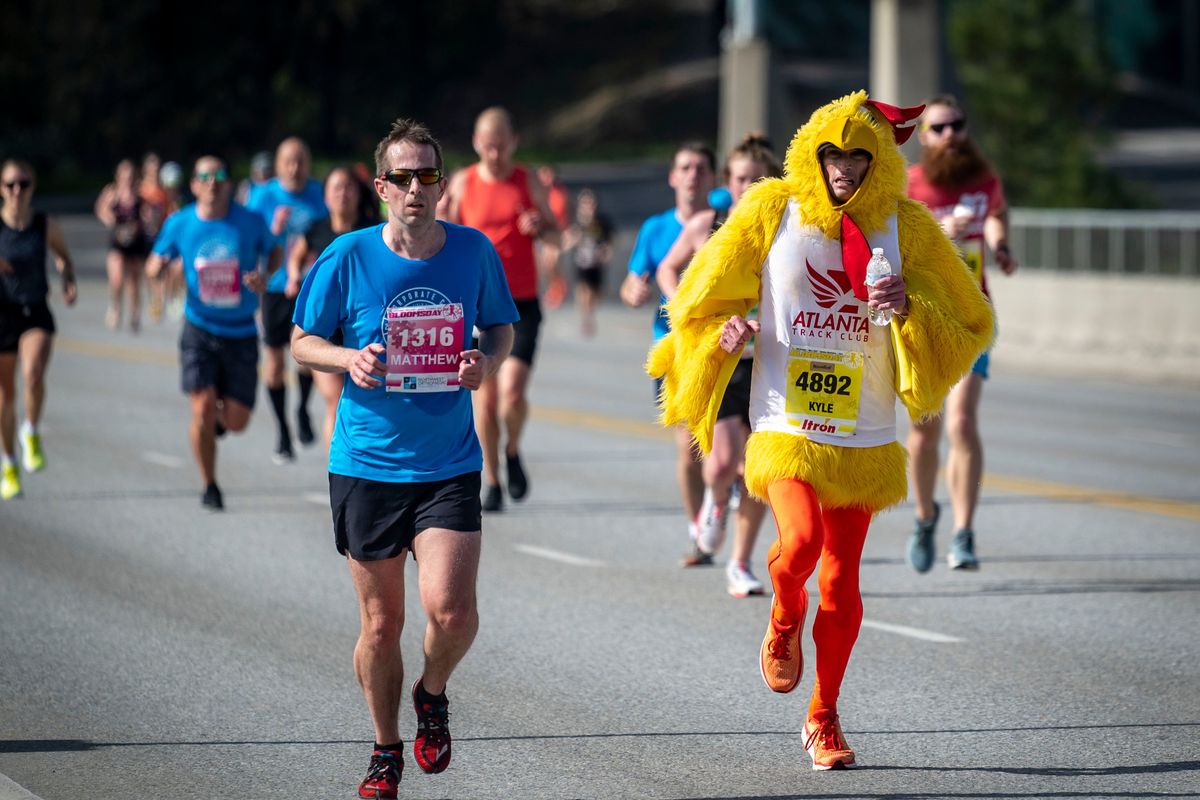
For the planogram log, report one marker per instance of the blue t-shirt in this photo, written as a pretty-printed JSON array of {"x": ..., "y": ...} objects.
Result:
[
  {"x": 307, "y": 206},
  {"x": 654, "y": 240},
  {"x": 216, "y": 255},
  {"x": 398, "y": 437}
]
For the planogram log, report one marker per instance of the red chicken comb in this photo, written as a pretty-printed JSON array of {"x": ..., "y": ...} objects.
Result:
[{"x": 896, "y": 116}]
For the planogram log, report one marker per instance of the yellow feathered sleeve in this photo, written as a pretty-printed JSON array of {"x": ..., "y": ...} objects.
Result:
[
  {"x": 723, "y": 279},
  {"x": 949, "y": 322}
]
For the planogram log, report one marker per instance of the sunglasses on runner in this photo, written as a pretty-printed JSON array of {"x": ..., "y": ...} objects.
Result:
[
  {"x": 219, "y": 175},
  {"x": 955, "y": 125},
  {"x": 24, "y": 183},
  {"x": 403, "y": 177}
]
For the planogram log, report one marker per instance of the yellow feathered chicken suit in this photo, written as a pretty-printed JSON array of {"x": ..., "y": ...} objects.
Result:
[{"x": 949, "y": 322}]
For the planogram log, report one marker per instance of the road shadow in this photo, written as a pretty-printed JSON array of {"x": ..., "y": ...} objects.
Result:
[{"x": 83, "y": 745}]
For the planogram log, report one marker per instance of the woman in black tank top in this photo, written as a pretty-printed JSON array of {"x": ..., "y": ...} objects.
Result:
[
  {"x": 26, "y": 324},
  {"x": 351, "y": 206},
  {"x": 128, "y": 218}
]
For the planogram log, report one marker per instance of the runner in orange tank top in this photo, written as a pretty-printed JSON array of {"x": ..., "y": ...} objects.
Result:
[{"x": 502, "y": 199}]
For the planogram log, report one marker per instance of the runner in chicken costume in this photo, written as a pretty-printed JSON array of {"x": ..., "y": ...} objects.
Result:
[{"x": 825, "y": 381}]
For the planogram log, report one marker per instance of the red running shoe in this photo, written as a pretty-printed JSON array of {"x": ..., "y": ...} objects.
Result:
[
  {"x": 431, "y": 748},
  {"x": 383, "y": 776}
]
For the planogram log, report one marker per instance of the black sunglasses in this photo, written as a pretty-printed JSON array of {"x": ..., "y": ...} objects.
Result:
[
  {"x": 954, "y": 125},
  {"x": 24, "y": 183},
  {"x": 403, "y": 177}
]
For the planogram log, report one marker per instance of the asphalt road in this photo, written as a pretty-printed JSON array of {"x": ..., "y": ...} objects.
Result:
[{"x": 148, "y": 648}]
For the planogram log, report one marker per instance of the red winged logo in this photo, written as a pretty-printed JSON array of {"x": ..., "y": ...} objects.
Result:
[{"x": 831, "y": 288}]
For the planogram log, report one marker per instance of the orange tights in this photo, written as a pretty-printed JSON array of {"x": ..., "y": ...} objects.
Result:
[{"x": 835, "y": 536}]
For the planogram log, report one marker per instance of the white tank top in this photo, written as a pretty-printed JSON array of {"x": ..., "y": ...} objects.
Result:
[{"x": 807, "y": 302}]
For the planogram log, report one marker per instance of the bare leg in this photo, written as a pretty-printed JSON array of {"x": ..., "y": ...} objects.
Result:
[
  {"x": 273, "y": 362},
  {"x": 585, "y": 298},
  {"x": 449, "y": 563},
  {"x": 34, "y": 354},
  {"x": 487, "y": 426},
  {"x": 749, "y": 520},
  {"x": 134, "y": 269},
  {"x": 964, "y": 462},
  {"x": 202, "y": 432},
  {"x": 114, "y": 265},
  {"x": 8, "y": 402},
  {"x": 377, "y": 660},
  {"x": 924, "y": 439},
  {"x": 689, "y": 473},
  {"x": 514, "y": 406}
]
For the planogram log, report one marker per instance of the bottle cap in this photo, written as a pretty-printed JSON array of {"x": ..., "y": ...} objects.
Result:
[{"x": 877, "y": 251}]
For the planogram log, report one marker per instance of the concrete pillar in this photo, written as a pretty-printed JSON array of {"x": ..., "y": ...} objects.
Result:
[
  {"x": 749, "y": 99},
  {"x": 906, "y": 46}
]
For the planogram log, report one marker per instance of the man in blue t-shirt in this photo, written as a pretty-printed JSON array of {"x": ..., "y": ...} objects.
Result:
[
  {"x": 290, "y": 203},
  {"x": 220, "y": 244},
  {"x": 692, "y": 176},
  {"x": 404, "y": 463}
]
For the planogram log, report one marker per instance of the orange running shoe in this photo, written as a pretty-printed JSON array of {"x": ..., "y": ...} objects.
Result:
[
  {"x": 780, "y": 659},
  {"x": 826, "y": 745}
]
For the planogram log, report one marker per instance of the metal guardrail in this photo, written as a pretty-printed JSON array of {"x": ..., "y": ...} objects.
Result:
[{"x": 1116, "y": 242}]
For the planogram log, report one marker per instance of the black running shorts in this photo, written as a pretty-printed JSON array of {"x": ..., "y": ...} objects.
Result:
[
  {"x": 228, "y": 365},
  {"x": 373, "y": 521},
  {"x": 15, "y": 320},
  {"x": 277, "y": 312},
  {"x": 736, "y": 402}
]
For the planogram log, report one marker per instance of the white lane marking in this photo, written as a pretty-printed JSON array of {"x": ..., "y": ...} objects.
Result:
[
  {"x": 916, "y": 633},
  {"x": 1149, "y": 436},
  {"x": 162, "y": 459},
  {"x": 556, "y": 555},
  {"x": 11, "y": 790},
  {"x": 317, "y": 498}
]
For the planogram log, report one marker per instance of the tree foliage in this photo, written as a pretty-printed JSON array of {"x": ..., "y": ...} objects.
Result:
[
  {"x": 87, "y": 82},
  {"x": 1037, "y": 83}
]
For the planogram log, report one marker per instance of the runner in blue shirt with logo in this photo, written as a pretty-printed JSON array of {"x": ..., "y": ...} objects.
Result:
[
  {"x": 220, "y": 244},
  {"x": 692, "y": 176},
  {"x": 290, "y": 203},
  {"x": 404, "y": 464}
]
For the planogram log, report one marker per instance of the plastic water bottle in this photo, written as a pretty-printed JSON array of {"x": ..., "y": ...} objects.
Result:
[{"x": 878, "y": 268}]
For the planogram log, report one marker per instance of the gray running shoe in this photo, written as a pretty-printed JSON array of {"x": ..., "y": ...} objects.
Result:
[
  {"x": 920, "y": 543},
  {"x": 962, "y": 550}
]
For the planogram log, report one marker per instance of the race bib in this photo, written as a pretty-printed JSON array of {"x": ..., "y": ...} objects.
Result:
[
  {"x": 423, "y": 347},
  {"x": 220, "y": 282},
  {"x": 823, "y": 390},
  {"x": 972, "y": 250}
]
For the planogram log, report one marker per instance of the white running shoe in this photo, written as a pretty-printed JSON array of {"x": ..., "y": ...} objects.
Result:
[
  {"x": 735, "y": 495},
  {"x": 711, "y": 524},
  {"x": 741, "y": 581}
]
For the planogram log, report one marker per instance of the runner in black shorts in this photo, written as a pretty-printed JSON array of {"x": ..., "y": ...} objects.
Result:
[
  {"x": 749, "y": 161},
  {"x": 428, "y": 284},
  {"x": 26, "y": 324},
  {"x": 509, "y": 204},
  {"x": 220, "y": 244},
  {"x": 290, "y": 203},
  {"x": 351, "y": 205}
]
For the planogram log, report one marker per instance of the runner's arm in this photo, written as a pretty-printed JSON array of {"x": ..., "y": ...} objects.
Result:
[
  {"x": 103, "y": 208},
  {"x": 448, "y": 205},
  {"x": 681, "y": 252},
  {"x": 995, "y": 232},
  {"x": 315, "y": 352},
  {"x": 62, "y": 259},
  {"x": 298, "y": 260},
  {"x": 547, "y": 223}
]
